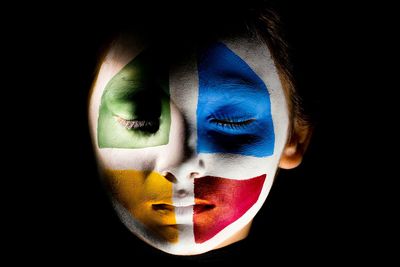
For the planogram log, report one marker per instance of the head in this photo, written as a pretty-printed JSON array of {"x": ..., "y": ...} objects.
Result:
[{"x": 189, "y": 135}]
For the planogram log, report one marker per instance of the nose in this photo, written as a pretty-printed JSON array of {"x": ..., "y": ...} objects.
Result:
[
  {"x": 182, "y": 177},
  {"x": 185, "y": 172},
  {"x": 173, "y": 178}
]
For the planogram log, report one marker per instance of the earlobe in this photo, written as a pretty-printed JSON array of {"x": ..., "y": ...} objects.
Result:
[
  {"x": 294, "y": 150},
  {"x": 291, "y": 156}
]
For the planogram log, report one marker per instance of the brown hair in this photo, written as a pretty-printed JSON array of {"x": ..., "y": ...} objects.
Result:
[{"x": 267, "y": 24}]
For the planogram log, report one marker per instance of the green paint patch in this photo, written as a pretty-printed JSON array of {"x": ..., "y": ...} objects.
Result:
[{"x": 134, "y": 111}]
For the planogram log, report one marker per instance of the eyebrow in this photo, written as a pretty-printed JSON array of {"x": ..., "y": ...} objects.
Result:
[
  {"x": 235, "y": 79},
  {"x": 136, "y": 82}
]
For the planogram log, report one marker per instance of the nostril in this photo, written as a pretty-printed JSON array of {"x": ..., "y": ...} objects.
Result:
[
  {"x": 170, "y": 177},
  {"x": 194, "y": 175}
]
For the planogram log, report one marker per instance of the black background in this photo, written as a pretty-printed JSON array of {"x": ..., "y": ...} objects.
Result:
[{"x": 319, "y": 212}]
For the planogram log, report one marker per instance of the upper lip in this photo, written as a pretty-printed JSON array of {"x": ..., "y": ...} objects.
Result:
[
  {"x": 182, "y": 204},
  {"x": 197, "y": 203}
]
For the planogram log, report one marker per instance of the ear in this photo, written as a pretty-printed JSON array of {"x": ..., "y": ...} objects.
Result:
[{"x": 296, "y": 147}]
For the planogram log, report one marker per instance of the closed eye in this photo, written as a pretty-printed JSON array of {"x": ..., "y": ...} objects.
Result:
[
  {"x": 141, "y": 125},
  {"x": 232, "y": 123}
]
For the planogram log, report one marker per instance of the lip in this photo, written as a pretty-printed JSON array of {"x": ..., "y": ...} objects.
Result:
[
  {"x": 199, "y": 206},
  {"x": 202, "y": 205}
]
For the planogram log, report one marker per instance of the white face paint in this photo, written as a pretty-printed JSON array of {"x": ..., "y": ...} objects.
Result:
[{"x": 185, "y": 196}]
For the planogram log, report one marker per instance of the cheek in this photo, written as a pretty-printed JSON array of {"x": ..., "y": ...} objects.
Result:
[
  {"x": 230, "y": 200},
  {"x": 133, "y": 179},
  {"x": 235, "y": 188},
  {"x": 139, "y": 192},
  {"x": 135, "y": 188}
]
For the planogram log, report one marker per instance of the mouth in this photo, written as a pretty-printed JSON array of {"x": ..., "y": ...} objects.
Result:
[
  {"x": 202, "y": 206},
  {"x": 199, "y": 206}
]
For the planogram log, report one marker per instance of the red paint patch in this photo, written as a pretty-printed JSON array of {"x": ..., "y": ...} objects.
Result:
[{"x": 227, "y": 200}]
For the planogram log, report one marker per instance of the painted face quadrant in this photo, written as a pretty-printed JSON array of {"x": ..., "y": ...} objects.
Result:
[
  {"x": 233, "y": 116},
  {"x": 134, "y": 110},
  {"x": 234, "y": 108},
  {"x": 230, "y": 198},
  {"x": 135, "y": 113},
  {"x": 142, "y": 193}
]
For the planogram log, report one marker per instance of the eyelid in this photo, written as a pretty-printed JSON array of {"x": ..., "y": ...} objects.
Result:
[
  {"x": 232, "y": 121},
  {"x": 232, "y": 124},
  {"x": 135, "y": 124}
]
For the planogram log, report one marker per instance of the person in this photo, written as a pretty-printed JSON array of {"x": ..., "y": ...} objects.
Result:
[{"x": 190, "y": 128}]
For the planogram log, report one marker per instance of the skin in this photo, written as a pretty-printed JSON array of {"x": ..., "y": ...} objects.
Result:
[{"x": 178, "y": 184}]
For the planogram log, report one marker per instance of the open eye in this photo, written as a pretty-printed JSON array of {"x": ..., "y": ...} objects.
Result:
[
  {"x": 232, "y": 123},
  {"x": 145, "y": 125}
]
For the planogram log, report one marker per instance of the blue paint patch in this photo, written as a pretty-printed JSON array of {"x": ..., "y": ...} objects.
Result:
[{"x": 234, "y": 107}]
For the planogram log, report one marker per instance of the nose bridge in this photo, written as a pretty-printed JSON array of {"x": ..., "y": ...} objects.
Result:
[
  {"x": 189, "y": 148},
  {"x": 182, "y": 161}
]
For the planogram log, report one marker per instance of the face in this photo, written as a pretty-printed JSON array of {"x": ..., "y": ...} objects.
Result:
[{"x": 188, "y": 148}]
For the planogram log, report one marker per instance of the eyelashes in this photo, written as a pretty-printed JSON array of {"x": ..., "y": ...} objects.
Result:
[
  {"x": 231, "y": 123},
  {"x": 151, "y": 125},
  {"x": 141, "y": 125}
]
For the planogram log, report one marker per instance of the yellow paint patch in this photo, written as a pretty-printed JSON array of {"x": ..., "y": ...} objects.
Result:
[{"x": 148, "y": 197}]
